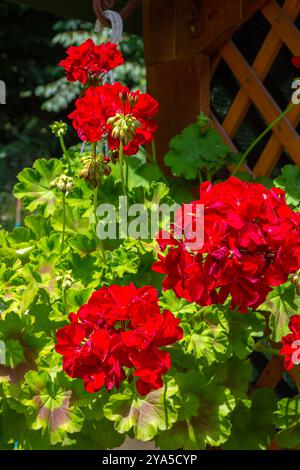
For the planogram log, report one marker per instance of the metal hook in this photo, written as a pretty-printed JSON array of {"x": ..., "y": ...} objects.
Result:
[{"x": 100, "y": 5}]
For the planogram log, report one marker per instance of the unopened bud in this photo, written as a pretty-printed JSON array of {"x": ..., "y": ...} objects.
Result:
[
  {"x": 133, "y": 99},
  {"x": 123, "y": 97},
  {"x": 59, "y": 128},
  {"x": 107, "y": 170}
]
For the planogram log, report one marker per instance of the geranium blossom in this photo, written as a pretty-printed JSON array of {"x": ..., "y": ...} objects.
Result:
[
  {"x": 89, "y": 61},
  {"x": 120, "y": 328},
  {"x": 251, "y": 243},
  {"x": 98, "y": 104},
  {"x": 296, "y": 61},
  {"x": 291, "y": 344}
]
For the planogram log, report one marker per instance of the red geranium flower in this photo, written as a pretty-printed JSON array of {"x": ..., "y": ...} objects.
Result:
[
  {"x": 291, "y": 344},
  {"x": 119, "y": 327},
  {"x": 251, "y": 243},
  {"x": 296, "y": 62},
  {"x": 89, "y": 61},
  {"x": 101, "y": 103}
]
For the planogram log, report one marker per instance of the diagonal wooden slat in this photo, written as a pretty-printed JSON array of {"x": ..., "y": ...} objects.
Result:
[
  {"x": 261, "y": 66},
  {"x": 272, "y": 374},
  {"x": 282, "y": 25},
  {"x": 273, "y": 150},
  {"x": 262, "y": 99}
]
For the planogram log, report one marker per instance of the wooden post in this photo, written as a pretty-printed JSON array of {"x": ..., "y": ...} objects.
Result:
[
  {"x": 180, "y": 36},
  {"x": 177, "y": 78}
]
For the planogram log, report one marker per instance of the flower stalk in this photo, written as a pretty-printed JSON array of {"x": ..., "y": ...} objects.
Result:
[
  {"x": 260, "y": 137},
  {"x": 96, "y": 184},
  {"x": 121, "y": 163}
]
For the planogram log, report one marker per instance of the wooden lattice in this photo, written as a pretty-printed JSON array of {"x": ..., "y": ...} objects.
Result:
[{"x": 253, "y": 91}]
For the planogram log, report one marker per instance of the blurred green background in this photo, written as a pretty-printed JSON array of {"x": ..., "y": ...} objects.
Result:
[{"x": 31, "y": 44}]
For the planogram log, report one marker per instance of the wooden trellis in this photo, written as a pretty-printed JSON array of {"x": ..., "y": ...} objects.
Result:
[
  {"x": 184, "y": 43},
  {"x": 253, "y": 91}
]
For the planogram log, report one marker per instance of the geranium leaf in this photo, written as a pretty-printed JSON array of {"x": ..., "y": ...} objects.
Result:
[
  {"x": 209, "y": 424},
  {"x": 193, "y": 150},
  {"x": 49, "y": 406},
  {"x": 34, "y": 185},
  {"x": 145, "y": 416},
  {"x": 243, "y": 328},
  {"x": 252, "y": 427},
  {"x": 282, "y": 303},
  {"x": 287, "y": 420},
  {"x": 289, "y": 180}
]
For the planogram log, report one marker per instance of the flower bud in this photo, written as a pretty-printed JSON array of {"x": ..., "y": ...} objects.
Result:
[
  {"x": 107, "y": 170},
  {"x": 133, "y": 99},
  {"x": 59, "y": 128},
  {"x": 123, "y": 97}
]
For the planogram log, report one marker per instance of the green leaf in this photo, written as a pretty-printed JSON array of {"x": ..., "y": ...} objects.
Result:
[
  {"x": 82, "y": 243},
  {"x": 123, "y": 261},
  {"x": 193, "y": 150},
  {"x": 287, "y": 420},
  {"x": 289, "y": 180},
  {"x": 49, "y": 405},
  {"x": 14, "y": 353},
  {"x": 39, "y": 226},
  {"x": 207, "y": 340},
  {"x": 145, "y": 416},
  {"x": 282, "y": 303},
  {"x": 208, "y": 423},
  {"x": 252, "y": 427},
  {"x": 243, "y": 328},
  {"x": 234, "y": 374},
  {"x": 34, "y": 185},
  {"x": 99, "y": 435}
]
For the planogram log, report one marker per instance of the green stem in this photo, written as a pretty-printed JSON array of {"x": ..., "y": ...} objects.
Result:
[
  {"x": 64, "y": 224},
  {"x": 165, "y": 405},
  {"x": 154, "y": 158},
  {"x": 127, "y": 173},
  {"x": 96, "y": 206},
  {"x": 191, "y": 431},
  {"x": 65, "y": 151},
  {"x": 264, "y": 349},
  {"x": 64, "y": 301},
  {"x": 261, "y": 136},
  {"x": 121, "y": 162}
]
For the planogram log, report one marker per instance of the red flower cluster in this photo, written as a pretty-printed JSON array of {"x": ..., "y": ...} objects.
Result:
[
  {"x": 251, "y": 242},
  {"x": 89, "y": 61},
  {"x": 101, "y": 103},
  {"x": 119, "y": 328},
  {"x": 291, "y": 344},
  {"x": 296, "y": 62}
]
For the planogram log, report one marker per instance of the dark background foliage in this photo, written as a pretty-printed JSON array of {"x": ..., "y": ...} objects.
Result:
[{"x": 31, "y": 44}]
